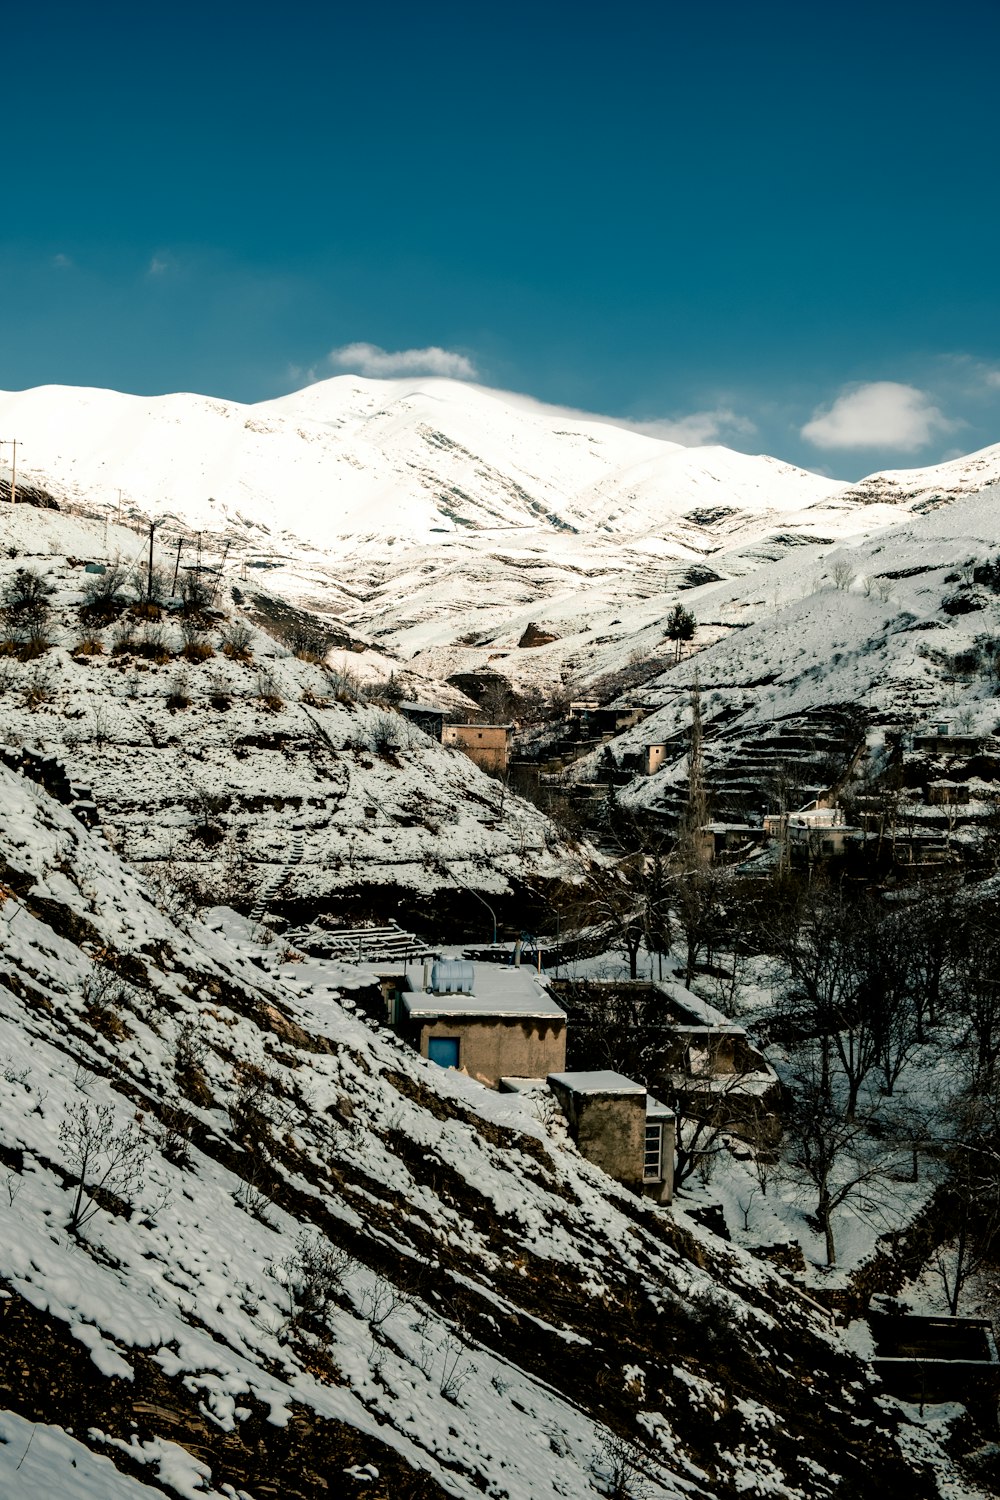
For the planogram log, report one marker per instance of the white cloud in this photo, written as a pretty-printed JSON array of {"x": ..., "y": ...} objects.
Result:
[
  {"x": 158, "y": 266},
  {"x": 993, "y": 378},
  {"x": 697, "y": 428},
  {"x": 369, "y": 359},
  {"x": 880, "y": 414},
  {"x": 62, "y": 262}
]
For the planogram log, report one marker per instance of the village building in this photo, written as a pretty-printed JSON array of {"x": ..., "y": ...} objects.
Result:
[
  {"x": 934, "y": 1359},
  {"x": 487, "y": 744},
  {"x": 726, "y": 842},
  {"x": 621, "y": 1128},
  {"x": 486, "y": 1020},
  {"x": 653, "y": 757},
  {"x": 940, "y": 738},
  {"x": 425, "y": 716},
  {"x": 813, "y": 833}
]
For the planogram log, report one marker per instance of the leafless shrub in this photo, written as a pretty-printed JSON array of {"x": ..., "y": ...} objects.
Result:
[
  {"x": 27, "y": 594},
  {"x": 268, "y": 691},
  {"x": 190, "y": 1054},
  {"x": 346, "y": 686},
  {"x": 456, "y": 1369},
  {"x": 105, "y": 1162},
  {"x": 152, "y": 644},
  {"x": 312, "y": 1280},
  {"x": 104, "y": 594},
  {"x": 237, "y": 641},
  {"x": 89, "y": 645},
  {"x": 384, "y": 734},
  {"x": 100, "y": 725},
  {"x": 123, "y": 641},
  {"x": 616, "y": 1465},
  {"x": 842, "y": 573},
  {"x": 38, "y": 688},
  {"x": 178, "y": 695}
]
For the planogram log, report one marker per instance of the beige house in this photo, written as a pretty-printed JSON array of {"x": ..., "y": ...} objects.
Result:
[
  {"x": 620, "y": 1128},
  {"x": 487, "y": 744},
  {"x": 653, "y": 757},
  {"x": 489, "y": 1022}
]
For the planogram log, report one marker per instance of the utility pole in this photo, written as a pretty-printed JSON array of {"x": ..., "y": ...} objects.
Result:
[
  {"x": 12, "y": 444},
  {"x": 177, "y": 564},
  {"x": 149, "y": 573}
]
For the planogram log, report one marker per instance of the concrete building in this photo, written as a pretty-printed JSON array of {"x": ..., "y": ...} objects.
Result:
[
  {"x": 620, "y": 1128},
  {"x": 487, "y": 744},
  {"x": 813, "y": 833},
  {"x": 653, "y": 757},
  {"x": 488, "y": 1022}
]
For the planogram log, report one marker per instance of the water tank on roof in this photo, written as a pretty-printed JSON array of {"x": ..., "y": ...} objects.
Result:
[{"x": 452, "y": 976}]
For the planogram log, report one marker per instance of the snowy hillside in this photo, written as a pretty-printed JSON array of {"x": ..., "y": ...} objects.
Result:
[
  {"x": 895, "y": 625},
  {"x": 251, "y": 1246},
  {"x": 215, "y": 761}
]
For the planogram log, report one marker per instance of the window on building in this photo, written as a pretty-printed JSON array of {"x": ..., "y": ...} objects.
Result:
[{"x": 652, "y": 1164}]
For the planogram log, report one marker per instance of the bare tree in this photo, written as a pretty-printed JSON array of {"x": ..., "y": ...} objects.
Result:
[{"x": 834, "y": 1156}]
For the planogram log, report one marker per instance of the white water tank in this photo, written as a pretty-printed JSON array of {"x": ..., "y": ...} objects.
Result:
[{"x": 452, "y": 976}]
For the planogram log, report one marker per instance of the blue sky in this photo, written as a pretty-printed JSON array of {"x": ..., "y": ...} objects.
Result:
[{"x": 772, "y": 225}]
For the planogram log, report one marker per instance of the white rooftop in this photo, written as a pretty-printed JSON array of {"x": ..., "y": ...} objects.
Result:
[
  {"x": 657, "y": 1111},
  {"x": 498, "y": 990},
  {"x": 604, "y": 1082}
]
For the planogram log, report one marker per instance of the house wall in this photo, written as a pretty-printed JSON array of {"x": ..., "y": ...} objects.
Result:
[
  {"x": 486, "y": 744},
  {"x": 655, "y": 755},
  {"x": 609, "y": 1129},
  {"x": 494, "y": 1048}
]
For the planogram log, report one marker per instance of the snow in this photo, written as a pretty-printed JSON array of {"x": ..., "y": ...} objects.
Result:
[
  {"x": 497, "y": 991},
  {"x": 603, "y": 1081}
]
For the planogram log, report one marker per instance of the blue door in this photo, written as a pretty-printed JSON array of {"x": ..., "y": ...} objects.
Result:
[{"x": 443, "y": 1050}]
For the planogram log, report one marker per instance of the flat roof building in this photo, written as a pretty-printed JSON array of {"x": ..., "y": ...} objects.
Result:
[{"x": 506, "y": 1023}]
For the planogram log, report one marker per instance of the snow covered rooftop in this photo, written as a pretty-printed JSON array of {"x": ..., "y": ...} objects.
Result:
[
  {"x": 497, "y": 991},
  {"x": 601, "y": 1082}
]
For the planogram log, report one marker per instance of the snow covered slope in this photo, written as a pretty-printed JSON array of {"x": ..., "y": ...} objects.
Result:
[
  {"x": 214, "y": 765},
  {"x": 906, "y": 635},
  {"x": 305, "y": 1262}
]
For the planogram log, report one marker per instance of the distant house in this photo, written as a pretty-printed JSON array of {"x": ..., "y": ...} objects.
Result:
[
  {"x": 936, "y": 1358},
  {"x": 620, "y": 1128},
  {"x": 487, "y": 744},
  {"x": 595, "y": 719},
  {"x": 720, "y": 841},
  {"x": 425, "y": 716},
  {"x": 486, "y": 1020},
  {"x": 813, "y": 833},
  {"x": 653, "y": 757},
  {"x": 939, "y": 738}
]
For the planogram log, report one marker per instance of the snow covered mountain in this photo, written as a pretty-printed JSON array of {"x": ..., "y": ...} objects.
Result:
[{"x": 387, "y": 461}]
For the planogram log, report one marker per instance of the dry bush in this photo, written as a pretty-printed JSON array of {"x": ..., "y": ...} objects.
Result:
[
  {"x": 38, "y": 689},
  {"x": 178, "y": 696},
  {"x": 152, "y": 644},
  {"x": 104, "y": 594},
  {"x": 268, "y": 691},
  {"x": 26, "y": 595},
  {"x": 237, "y": 641},
  {"x": 89, "y": 645}
]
